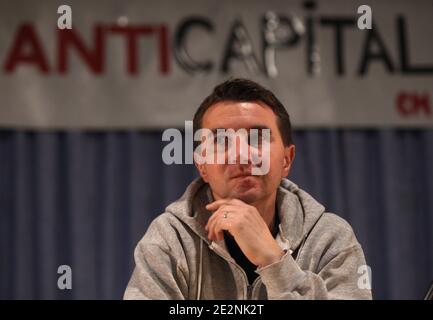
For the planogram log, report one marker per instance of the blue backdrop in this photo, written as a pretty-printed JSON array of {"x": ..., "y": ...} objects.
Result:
[{"x": 84, "y": 199}]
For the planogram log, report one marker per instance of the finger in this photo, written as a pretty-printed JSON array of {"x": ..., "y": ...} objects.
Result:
[
  {"x": 211, "y": 224},
  {"x": 210, "y": 228},
  {"x": 216, "y": 204},
  {"x": 221, "y": 225},
  {"x": 228, "y": 201},
  {"x": 210, "y": 221},
  {"x": 216, "y": 217}
]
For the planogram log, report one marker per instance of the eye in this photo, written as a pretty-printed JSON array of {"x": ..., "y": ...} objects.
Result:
[
  {"x": 221, "y": 143},
  {"x": 255, "y": 142},
  {"x": 220, "y": 140}
]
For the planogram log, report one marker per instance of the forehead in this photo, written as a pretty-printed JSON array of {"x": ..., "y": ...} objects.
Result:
[{"x": 236, "y": 115}]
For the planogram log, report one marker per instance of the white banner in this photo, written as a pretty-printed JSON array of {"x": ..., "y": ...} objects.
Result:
[{"x": 149, "y": 64}]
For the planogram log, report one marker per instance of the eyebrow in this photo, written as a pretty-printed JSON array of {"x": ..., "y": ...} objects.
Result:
[{"x": 259, "y": 127}]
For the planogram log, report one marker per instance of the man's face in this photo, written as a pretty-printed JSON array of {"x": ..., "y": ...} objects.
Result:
[{"x": 236, "y": 180}]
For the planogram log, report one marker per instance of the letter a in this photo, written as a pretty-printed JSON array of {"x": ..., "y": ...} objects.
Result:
[
  {"x": 65, "y": 20},
  {"x": 364, "y": 21}
]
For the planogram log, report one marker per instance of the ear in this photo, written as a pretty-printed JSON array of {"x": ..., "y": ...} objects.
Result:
[
  {"x": 202, "y": 170},
  {"x": 289, "y": 156}
]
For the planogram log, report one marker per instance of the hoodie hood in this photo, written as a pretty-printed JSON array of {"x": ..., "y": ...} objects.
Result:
[{"x": 298, "y": 211}]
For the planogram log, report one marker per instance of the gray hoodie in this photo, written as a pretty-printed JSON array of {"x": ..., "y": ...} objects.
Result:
[{"x": 175, "y": 260}]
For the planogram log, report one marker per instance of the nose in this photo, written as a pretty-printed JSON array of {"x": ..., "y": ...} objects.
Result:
[{"x": 239, "y": 151}]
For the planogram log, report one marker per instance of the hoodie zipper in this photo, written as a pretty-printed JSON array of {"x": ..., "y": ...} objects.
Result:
[
  {"x": 249, "y": 291},
  {"x": 251, "y": 288},
  {"x": 247, "y": 288}
]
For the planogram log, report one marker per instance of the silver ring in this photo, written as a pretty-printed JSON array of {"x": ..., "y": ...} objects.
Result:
[{"x": 225, "y": 214}]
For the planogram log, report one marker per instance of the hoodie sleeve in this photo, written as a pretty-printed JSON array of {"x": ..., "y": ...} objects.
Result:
[
  {"x": 157, "y": 273},
  {"x": 334, "y": 266},
  {"x": 338, "y": 279}
]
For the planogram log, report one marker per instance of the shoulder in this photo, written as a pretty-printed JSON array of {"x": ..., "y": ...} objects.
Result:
[
  {"x": 163, "y": 227},
  {"x": 335, "y": 233},
  {"x": 335, "y": 223},
  {"x": 168, "y": 233}
]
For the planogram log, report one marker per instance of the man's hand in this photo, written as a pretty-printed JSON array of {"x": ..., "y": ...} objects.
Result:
[{"x": 248, "y": 228}]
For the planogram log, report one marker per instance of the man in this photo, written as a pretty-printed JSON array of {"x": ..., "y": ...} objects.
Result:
[{"x": 235, "y": 235}]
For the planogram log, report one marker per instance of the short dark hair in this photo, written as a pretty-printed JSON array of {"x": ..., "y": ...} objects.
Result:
[{"x": 244, "y": 90}]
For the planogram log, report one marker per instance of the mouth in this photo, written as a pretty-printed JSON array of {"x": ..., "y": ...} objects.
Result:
[{"x": 240, "y": 176}]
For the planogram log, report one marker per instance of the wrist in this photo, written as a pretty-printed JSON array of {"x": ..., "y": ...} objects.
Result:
[{"x": 272, "y": 258}]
